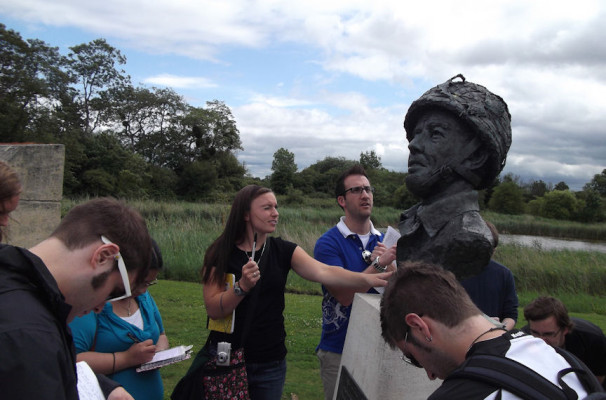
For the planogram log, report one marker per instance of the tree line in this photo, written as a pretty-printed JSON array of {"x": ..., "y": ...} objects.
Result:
[
  {"x": 120, "y": 139},
  {"x": 507, "y": 194},
  {"x": 134, "y": 141}
]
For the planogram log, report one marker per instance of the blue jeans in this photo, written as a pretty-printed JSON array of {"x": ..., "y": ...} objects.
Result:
[{"x": 266, "y": 380}]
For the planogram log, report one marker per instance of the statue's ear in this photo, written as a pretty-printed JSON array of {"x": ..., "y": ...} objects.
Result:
[{"x": 476, "y": 160}]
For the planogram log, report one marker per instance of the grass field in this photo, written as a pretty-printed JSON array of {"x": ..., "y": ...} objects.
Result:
[
  {"x": 184, "y": 231},
  {"x": 182, "y": 308}
]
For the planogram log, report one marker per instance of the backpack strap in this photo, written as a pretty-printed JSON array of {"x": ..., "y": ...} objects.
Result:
[
  {"x": 584, "y": 374},
  {"x": 505, "y": 373}
]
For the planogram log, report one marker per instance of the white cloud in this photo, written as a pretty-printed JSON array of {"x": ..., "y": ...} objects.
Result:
[
  {"x": 180, "y": 82},
  {"x": 364, "y": 63}
]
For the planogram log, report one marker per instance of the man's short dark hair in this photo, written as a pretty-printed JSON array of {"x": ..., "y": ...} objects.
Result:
[
  {"x": 85, "y": 223},
  {"x": 354, "y": 170},
  {"x": 544, "y": 307},
  {"x": 426, "y": 290}
]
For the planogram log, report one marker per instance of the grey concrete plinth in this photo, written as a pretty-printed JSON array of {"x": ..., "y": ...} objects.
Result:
[
  {"x": 378, "y": 371},
  {"x": 40, "y": 169}
]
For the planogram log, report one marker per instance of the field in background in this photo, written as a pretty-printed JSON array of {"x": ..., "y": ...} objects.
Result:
[
  {"x": 184, "y": 231},
  {"x": 182, "y": 308}
]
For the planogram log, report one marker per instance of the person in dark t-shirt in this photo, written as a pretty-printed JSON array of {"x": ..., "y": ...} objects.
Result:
[{"x": 548, "y": 319}]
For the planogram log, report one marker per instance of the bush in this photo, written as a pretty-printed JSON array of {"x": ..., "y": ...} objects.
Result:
[
  {"x": 559, "y": 204},
  {"x": 507, "y": 198}
]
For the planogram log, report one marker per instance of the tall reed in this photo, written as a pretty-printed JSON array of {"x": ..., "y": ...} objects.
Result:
[{"x": 185, "y": 230}]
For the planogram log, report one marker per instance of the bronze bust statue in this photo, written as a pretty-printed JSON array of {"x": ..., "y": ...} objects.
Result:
[{"x": 459, "y": 134}]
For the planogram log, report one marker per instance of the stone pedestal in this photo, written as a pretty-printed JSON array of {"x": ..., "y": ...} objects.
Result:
[
  {"x": 370, "y": 366},
  {"x": 40, "y": 169}
]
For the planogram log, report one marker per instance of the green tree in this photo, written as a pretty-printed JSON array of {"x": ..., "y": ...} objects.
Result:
[
  {"x": 386, "y": 184},
  {"x": 598, "y": 183},
  {"x": 284, "y": 168},
  {"x": 590, "y": 206},
  {"x": 230, "y": 172},
  {"x": 403, "y": 198},
  {"x": 370, "y": 160},
  {"x": 95, "y": 65},
  {"x": 561, "y": 186},
  {"x": 537, "y": 189},
  {"x": 107, "y": 168},
  {"x": 327, "y": 172},
  {"x": 149, "y": 123},
  {"x": 211, "y": 130},
  {"x": 33, "y": 84},
  {"x": 559, "y": 204},
  {"x": 507, "y": 198},
  {"x": 197, "y": 180}
]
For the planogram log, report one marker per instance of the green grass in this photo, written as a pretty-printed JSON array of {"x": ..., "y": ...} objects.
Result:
[
  {"x": 182, "y": 307},
  {"x": 184, "y": 231}
]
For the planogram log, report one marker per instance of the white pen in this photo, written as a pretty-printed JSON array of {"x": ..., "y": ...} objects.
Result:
[{"x": 252, "y": 256}]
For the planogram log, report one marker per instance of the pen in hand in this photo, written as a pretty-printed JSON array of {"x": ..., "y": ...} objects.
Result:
[
  {"x": 254, "y": 247},
  {"x": 133, "y": 337}
]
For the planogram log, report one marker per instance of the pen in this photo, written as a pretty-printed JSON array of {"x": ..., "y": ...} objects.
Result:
[
  {"x": 133, "y": 337},
  {"x": 254, "y": 246}
]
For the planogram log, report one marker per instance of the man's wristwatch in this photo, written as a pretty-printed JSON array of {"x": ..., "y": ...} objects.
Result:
[
  {"x": 378, "y": 266},
  {"x": 238, "y": 290}
]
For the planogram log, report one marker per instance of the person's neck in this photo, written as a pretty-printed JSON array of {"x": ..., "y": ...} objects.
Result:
[
  {"x": 127, "y": 307},
  {"x": 361, "y": 226},
  {"x": 67, "y": 267},
  {"x": 59, "y": 261},
  {"x": 247, "y": 244},
  {"x": 475, "y": 330}
]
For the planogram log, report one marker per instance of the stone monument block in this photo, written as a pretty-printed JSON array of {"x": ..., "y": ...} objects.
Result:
[
  {"x": 370, "y": 366},
  {"x": 40, "y": 169}
]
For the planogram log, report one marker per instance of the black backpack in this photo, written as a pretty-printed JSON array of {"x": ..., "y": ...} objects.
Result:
[{"x": 516, "y": 378}]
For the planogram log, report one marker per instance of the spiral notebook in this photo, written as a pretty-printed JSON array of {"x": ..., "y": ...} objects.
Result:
[
  {"x": 224, "y": 324},
  {"x": 167, "y": 357}
]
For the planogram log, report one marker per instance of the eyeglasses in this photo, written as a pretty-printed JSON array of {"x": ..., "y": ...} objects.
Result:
[
  {"x": 409, "y": 359},
  {"x": 359, "y": 189},
  {"x": 545, "y": 334},
  {"x": 123, "y": 274}
]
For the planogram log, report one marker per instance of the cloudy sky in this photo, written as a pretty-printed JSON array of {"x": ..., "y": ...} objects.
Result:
[{"x": 335, "y": 78}]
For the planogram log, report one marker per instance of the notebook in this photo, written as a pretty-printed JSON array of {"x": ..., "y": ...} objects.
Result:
[
  {"x": 224, "y": 324},
  {"x": 167, "y": 357}
]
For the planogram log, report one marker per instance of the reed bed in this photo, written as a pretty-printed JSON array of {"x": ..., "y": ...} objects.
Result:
[
  {"x": 537, "y": 226},
  {"x": 184, "y": 231}
]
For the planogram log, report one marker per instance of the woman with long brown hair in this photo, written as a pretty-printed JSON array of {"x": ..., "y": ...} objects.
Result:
[{"x": 262, "y": 265}]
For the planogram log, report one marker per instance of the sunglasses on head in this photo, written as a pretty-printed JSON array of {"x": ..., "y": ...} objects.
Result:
[{"x": 123, "y": 274}]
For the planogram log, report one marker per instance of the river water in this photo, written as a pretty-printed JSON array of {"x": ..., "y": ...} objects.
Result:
[{"x": 548, "y": 243}]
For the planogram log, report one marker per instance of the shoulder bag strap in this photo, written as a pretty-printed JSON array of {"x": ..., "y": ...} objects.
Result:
[
  {"x": 583, "y": 373},
  {"x": 510, "y": 375}
]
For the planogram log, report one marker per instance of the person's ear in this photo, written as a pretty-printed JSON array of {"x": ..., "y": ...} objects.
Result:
[
  {"x": 104, "y": 254},
  {"x": 416, "y": 322},
  {"x": 247, "y": 216},
  {"x": 341, "y": 201}
]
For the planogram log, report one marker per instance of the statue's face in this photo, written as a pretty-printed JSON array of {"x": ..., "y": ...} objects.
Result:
[{"x": 437, "y": 138}]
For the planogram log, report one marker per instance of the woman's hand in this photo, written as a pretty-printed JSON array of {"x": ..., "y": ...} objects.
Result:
[
  {"x": 140, "y": 353},
  {"x": 378, "y": 280},
  {"x": 250, "y": 276}
]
